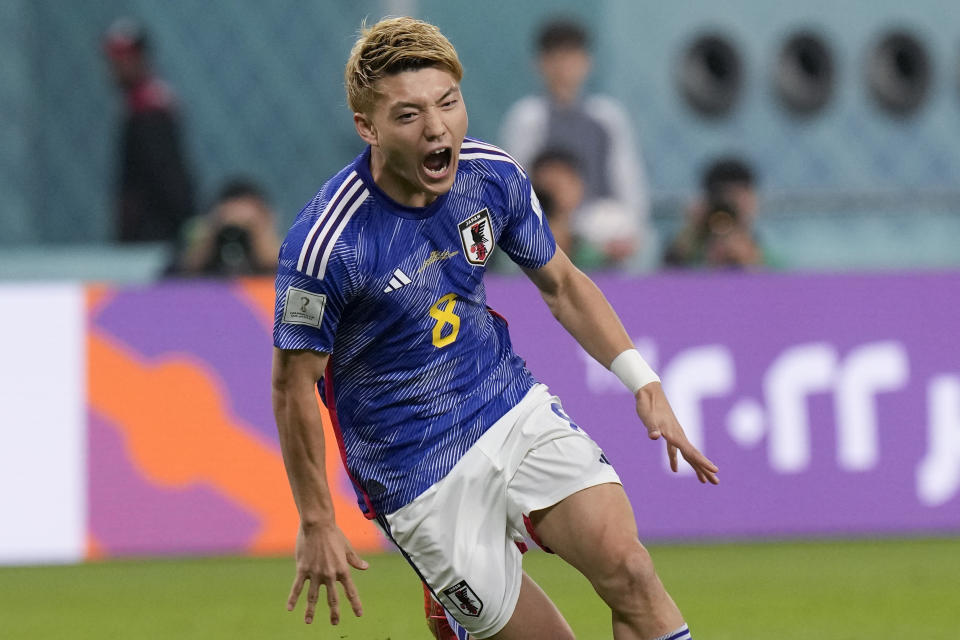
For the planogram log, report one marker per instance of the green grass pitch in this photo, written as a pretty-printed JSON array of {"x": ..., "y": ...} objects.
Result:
[{"x": 803, "y": 590}]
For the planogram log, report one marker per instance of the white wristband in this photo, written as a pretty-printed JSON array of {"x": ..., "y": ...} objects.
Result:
[{"x": 633, "y": 370}]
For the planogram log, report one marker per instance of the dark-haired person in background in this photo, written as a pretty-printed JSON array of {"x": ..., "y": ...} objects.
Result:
[
  {"x": 594, "y": 129},
  {"x": 236, "y": 238},
  {"x": 720, "y": 228},
  {"x": 154, "y": 188},
  {"x": 558, "y": 181}
]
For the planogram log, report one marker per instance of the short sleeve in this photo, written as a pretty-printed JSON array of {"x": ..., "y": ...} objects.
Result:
[
  {"x": 308, "y": 310},
  {"x": 526, "y": 236}
]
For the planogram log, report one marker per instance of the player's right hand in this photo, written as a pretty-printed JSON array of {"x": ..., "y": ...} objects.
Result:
[{"x": 324, "y": 557}]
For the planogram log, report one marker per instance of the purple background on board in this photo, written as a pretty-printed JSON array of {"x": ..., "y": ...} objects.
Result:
[
  {"x": 128, "y": 515},
  {"x": 213, "y": 322},
  {"x": 757, "y": 317}
]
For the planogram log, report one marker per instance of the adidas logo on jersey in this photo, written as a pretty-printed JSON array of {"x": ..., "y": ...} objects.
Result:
[{"x": 398, "y": 280}]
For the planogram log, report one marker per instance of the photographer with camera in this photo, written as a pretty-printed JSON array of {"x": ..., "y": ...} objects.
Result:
[
  {"x": 719, "y": 232},
  {"x": 235, "y": 238}
]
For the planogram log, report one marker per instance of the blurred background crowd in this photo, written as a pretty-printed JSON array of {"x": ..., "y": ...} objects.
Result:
[{"x": 143, "y": 140}]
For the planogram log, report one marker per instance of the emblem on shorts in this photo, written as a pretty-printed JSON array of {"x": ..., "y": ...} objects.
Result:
[
  {"x": 463, "y": 597},
  {"x": 476, "y": 235}
]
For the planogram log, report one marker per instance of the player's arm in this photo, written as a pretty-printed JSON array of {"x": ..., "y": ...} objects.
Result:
[
  {"x": 579, "y": 305},
  {"x": 323, "y": 554}
]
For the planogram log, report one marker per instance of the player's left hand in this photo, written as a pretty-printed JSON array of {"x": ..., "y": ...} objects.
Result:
[{"x": 658, "y": 418}]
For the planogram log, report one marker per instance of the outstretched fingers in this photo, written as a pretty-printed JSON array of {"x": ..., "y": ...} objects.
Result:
[
  {"x": 333, "y": 602},
  {"x": 677, "y": 441},
  {"x": 348, "y": 587},
  {"x": 333, "y": 598},
  {"x": 352, "y": 596},
  {"x": 313, "y": 596},
  {"x": 658, "y": 417},
  {"x": 324, "y": 558},
  {"x": 295, "y": 591},
  {"x": 706, "y": 470}
]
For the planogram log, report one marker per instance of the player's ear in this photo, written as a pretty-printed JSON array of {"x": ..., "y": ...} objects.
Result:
[{"x": 365, "y": 128}]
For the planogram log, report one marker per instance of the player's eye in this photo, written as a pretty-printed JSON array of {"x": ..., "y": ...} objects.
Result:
[
  {"x": 406, "y": 117},
  {"x": 449, "y": 103}
]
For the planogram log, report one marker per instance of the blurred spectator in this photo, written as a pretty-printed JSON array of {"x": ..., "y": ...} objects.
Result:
[
  {"x": 558, "y": 182},
  {"x": 720, "y": 226},
  {"x": 155, "y": 192},
  {"x": 236, "y": 237},
  {"x": 594, "y": 129}
]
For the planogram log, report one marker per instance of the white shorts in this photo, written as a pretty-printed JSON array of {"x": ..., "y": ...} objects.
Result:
[{"x": 461, "y": 535}]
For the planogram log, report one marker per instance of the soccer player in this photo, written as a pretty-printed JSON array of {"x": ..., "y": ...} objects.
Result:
[{"x": 454, "y": 449}]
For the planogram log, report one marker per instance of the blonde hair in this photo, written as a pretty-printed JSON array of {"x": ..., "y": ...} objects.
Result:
[{"x": 391, "y": 46}]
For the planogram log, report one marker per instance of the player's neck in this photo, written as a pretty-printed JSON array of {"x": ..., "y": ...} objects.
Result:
[{"x": 397, "y": 188}]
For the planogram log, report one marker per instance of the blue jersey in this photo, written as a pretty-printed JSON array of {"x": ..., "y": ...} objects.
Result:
[{"x": 419, "y": 366}]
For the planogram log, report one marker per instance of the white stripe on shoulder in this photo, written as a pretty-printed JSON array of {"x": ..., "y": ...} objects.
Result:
[
  {"x": 336, "y": 234},
  {"x": 476, "y": 144},
  {"x": 329, "y": 221},
  {"x": 348, "y": 182},
  {"x": 480, "y": 155}
]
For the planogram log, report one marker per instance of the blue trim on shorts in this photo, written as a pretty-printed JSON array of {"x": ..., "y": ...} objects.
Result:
[{"x": 454, "y": 625}]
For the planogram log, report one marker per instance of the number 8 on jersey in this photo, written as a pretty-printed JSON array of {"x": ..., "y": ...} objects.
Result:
[{"x": 442, "y": 312}]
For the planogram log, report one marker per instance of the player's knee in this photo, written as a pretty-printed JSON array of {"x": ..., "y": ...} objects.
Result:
[{"x": 629, "y": 579}]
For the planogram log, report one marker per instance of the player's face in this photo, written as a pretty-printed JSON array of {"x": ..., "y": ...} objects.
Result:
[{"x": 415, "y": 130}]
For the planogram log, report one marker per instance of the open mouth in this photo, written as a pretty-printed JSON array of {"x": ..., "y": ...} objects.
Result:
[{"x": 437, "y": 162}]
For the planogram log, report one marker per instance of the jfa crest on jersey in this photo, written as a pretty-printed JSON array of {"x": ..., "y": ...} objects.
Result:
[
  {"x": 477, "y": 237},
  {"x": 419, "y": 368}
]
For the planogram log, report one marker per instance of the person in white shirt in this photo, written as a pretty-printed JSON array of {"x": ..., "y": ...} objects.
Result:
[{"x": 597, "y": 131}]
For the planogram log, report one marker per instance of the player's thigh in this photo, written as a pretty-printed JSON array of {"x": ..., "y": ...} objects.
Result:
[
  {"x": 559, "y": 460},
  {"x": 593, "y": 529},
  {"x": 535, "y": 617},
  {"x": 455, "y": 536}
]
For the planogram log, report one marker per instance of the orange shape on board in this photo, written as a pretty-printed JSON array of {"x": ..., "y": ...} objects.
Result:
[
  {"x": 259, "y": 295},
  {"x": 179, "y": 431}
]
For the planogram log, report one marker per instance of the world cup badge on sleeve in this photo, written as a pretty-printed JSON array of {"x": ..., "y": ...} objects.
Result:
[
  {"x": 463, "y": 598},
  {"x": 476, "y": 235},
  {"x": 303, "y": 307}
]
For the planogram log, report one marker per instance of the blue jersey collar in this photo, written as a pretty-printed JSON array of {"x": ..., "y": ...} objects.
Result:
[{"x": 362, "y": 167}]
